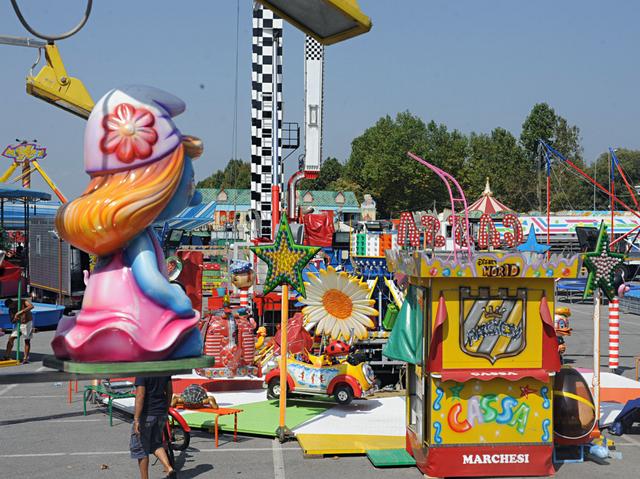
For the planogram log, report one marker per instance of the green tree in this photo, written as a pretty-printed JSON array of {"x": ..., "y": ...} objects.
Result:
[
  {"x": 212, "y": 181},
  {"x": 499, "y": 157},
  {"x": 540, "y": 124},
  {"x": 379, "y": 165},
  {"x": 237, "y": 174},
  {"x": 568, "y": 190},
  {"x": 600, "y": 170},
  {"x": 330, "y": 171}
]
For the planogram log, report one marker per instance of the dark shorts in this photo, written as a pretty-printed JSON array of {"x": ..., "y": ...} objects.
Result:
[{"x": 150, "y": 438}]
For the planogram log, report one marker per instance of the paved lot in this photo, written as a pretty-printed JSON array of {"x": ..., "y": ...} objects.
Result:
[{"x": 42, "y": 436}]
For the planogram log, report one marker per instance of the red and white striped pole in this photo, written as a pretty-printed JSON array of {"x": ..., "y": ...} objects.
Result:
[
  {"x": 614, "y": 333},
  {"x": 244, "y": 298}
]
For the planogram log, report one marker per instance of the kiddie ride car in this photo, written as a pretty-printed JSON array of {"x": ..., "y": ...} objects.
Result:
[{"x": 337, "y": 372}]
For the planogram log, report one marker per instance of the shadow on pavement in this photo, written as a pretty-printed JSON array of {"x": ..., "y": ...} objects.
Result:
[
  {"x": 66, "y": 415},
  {"x": 196, "y": 471}
]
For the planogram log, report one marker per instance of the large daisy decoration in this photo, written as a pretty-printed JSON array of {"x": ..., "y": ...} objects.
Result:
[{"x": 338, "y": 305}]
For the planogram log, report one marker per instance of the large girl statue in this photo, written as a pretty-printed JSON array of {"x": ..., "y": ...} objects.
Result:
[{"x": 141, "y": 173}]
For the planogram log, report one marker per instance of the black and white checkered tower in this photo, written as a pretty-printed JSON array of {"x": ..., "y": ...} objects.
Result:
[
  {"x": 266, "y": 27},
  {"x": 313, "y": 99}
]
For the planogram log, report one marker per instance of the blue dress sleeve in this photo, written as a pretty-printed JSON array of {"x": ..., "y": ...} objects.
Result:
[{"x": 140, "y": 254}]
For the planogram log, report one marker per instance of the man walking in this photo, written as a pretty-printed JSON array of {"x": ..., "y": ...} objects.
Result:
[
  {"x": 22, "y": 320},
  {"x": 153, "y": 395}
]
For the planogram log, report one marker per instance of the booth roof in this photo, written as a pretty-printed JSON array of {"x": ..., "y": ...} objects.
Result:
[{"x": 12, "y": 193}]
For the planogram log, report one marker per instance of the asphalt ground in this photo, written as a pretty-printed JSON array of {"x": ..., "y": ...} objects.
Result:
[{"x": 43, "y": 436}]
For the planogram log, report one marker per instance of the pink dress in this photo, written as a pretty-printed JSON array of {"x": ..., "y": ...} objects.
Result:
[{"x": 118, "y": 322}]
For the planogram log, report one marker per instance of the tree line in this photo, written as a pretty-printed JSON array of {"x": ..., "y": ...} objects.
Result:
[{"x": 378, "y": 165}]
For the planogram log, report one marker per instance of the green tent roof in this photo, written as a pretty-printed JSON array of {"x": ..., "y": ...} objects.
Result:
[
  {"x": 239, "y": 197},
  {"x": 320, "y": 199},
  {"x": 327, "y": 199}
]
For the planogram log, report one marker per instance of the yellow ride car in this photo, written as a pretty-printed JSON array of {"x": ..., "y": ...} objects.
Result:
[{"x": 342, "y": 380}]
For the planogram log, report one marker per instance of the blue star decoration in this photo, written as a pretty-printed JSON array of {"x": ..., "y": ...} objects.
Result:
[
  {"x": 532, "y": 245},
  {"x": 285, "y": 259},
  {"x": 602, "y": 265}
]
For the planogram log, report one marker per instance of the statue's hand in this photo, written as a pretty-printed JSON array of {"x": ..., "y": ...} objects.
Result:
[
  {"x": 141, "y": 256},
  {"x": 180, "y": 303}
]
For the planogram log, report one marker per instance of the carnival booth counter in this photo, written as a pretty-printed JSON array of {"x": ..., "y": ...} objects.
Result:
[{"x": 482, "y": 352}]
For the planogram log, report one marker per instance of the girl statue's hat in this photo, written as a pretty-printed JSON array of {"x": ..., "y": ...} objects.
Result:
[{"x": 130, "y": 127}]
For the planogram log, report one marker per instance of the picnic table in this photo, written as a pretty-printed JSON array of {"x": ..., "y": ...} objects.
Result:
[{"x": 221, "y": 411}]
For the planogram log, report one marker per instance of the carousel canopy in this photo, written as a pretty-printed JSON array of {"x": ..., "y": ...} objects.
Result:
[
  {"x": 23, "y": 194},
  {"x": 487, "y": 203}
]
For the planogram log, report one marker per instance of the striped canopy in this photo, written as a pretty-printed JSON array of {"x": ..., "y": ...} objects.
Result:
[
  {"x": 487, "y": 204},
  {"x": 193, "y": 217}
]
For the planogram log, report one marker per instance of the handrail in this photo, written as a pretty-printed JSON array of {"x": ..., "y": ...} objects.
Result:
[{"x": 446, "y": 178}]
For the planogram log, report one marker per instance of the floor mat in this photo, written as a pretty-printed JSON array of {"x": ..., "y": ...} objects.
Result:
[
  {"x": 260, "y": 418},
  {"x": 375, "y": 417},
  {"x": 390, "y": 458},
  {"x": 323, "y": 444}
]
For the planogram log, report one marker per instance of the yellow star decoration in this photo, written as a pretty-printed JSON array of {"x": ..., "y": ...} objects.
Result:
[{"x": 285, "y": 259}]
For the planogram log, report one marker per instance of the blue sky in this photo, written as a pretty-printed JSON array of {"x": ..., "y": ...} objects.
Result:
[{"x": 473, "y": 65}]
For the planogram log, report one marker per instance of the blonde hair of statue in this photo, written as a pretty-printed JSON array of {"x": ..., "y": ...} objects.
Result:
[{"x": 116, "y": 207}]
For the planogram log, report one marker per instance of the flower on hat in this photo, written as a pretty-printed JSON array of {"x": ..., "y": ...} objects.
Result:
[{"x": 129, "y": 133}]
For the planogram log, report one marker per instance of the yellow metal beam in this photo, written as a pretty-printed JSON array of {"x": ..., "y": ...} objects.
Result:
[
  {"x": 49, "y": 181},
  {"x": 8, "y": 173}
]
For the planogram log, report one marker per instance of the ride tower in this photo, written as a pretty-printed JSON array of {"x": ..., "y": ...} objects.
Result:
[{"x": 265, "y": 106}]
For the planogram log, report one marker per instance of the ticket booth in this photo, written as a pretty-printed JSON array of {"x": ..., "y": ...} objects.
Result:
[{"x": 482, "y": 352}]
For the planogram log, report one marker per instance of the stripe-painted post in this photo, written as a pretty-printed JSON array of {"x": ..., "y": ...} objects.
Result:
[
  {"x": 614, "y": 333},
  {"x": 244, "y": 298}
]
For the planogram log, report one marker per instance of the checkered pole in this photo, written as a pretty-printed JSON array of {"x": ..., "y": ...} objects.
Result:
[
  {"x": 266, "y": 114},
  {"x": 614, "y": 333}
]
